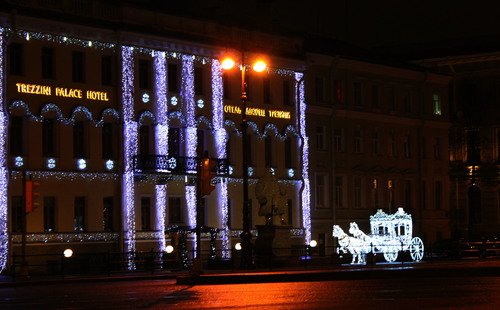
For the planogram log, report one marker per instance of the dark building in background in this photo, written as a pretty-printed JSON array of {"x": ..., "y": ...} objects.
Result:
[{"x": 474, "y": 135}]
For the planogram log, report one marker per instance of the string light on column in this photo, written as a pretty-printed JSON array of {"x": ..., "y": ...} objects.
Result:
[
  {"x": 161, "y": 133},
  {"x": 220, "y": 146},
  {"x": 4, "y": 173},
  {"x": 130, "y": 149},
  {"x": 306, "y": 191},
  {"x": 187, "y": 98}
]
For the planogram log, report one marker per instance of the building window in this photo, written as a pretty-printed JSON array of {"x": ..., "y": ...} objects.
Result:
[
  {"x": 319, "y": 88},
  {"x": 375, "y": 143},
  {"x": 358, "y": 191},
  {"x": 391, "y": 192},
  {"x": 107, "y": 141},
  {"x": 79, "y": 140},
  {"x": 424, "y": 148},
  {"x": 289, "y": 211},
  {"x": 392, "y": 99},
  {"x": 48, "y": 63},
  {"x": 424, "y": 194},
  {"x": 407, "y": 147},
  {"x": 320, "y": 191},
  {"x": 438, "y": 195},
  {"x": 228, "y": 150},
  {"x": 473, "y": 146},
  {"x": 407, "y": 101},
  {"x": 16, "y": 59},
  {"x": 48, "y": 138},
  {"x": 144, "y": 74},
  {"x": 358, "y": 141},
  {"x": 229, "y": 212},
  {"x": 250, "y": 149},
  {"x": 198, "y": 81},
  {"x": 375, "y": 96},
  {"x": 288, "y": 152},
  {"x": 266, "y": 86},
  {"x": 144, "y": 146},
  {"x": 173, "y": 80},
  {"x": 339, "y": 192},
  {"x": 320, "y": 138},
  {"x": 200, "y": 145},
  {"x": 107, "y": 214},
  {"x": 79, "y": 214},
  {"x": 338, "y": 140},
  {"x": 202, "y": 216},
  {"x": 107, "y": 70},
  {"x": 16, "y": 134},
  {"x": 49, "y": 214},
  {"x": 17, "y": 217},
  {"x": 174, "y": 210},
  {"x": 436, "y": 100},
  {"x": 339, "y": 91},
  {"x": 437, "y": 148},
  {"x": 408, "y": 194},
  {"x": 287, "y": 90},
  {"x": 250, "y": 213},
  {"x": 174, "y": 142},
  {"x": 497, "y": 140},
  {"x": 145, "y": 213},
  {"x": 268, "y": 151},
  {"x": 357, "y": 94},
  {"x": 375, "y": 193},
  {"x": 78, "y": 66},
  {"x": 392, "y": 144}
]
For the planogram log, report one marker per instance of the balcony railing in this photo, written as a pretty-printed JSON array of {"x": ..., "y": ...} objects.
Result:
[{"x": 175, "y": 164}]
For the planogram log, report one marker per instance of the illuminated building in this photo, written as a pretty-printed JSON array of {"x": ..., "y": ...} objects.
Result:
[
  {"x": 378, "y": 137},
  {"x": 110, "y": 124}
]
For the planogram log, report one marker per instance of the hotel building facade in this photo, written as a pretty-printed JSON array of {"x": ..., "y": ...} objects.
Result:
[{"x": 110, "y": 124}]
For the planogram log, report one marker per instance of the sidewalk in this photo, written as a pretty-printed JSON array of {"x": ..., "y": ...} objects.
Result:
[{"x": 489, "y": 267}]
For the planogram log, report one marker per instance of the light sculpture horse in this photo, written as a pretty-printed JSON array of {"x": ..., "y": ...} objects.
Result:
[{"x": 350, "y": 244}]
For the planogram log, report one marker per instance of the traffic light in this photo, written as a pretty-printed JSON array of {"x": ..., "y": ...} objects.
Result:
[
  {"x": 32, "y": 195},
  {"x": 206, "y": 176}
]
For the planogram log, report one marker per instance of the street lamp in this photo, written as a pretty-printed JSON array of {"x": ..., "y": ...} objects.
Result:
[{"x": 246, "y": 236}]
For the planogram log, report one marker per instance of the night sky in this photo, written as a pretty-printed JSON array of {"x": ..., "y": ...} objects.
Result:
[{"x": 362, "y": 22}]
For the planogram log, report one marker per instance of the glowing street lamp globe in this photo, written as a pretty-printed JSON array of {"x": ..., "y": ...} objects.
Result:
[
  {"x": 227, "y": 63},
  {"x": 259, "y": 66}
]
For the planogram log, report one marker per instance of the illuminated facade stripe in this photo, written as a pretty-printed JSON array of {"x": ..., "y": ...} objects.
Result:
[
  {"x": 191, "y": 138},
  {"x": 306, "y": 190},
  {"x": 220, "y": 146},
  {"x": 4, "y": 173},
  {"x": 161, "y": 139},
  {"x": 130, "y": 149}
]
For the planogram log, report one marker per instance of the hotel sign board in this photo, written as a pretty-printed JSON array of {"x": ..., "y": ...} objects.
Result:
[
  {"x": 76, "y": 93},
  {"x": 258, "y": 112}
]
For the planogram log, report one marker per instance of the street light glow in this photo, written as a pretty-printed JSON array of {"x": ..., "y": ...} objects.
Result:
[
  {"x": 259, "y": 66},
  {"x": 227, "y": 63}
]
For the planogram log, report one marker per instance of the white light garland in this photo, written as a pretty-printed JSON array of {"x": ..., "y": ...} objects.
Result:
[
  {"x": 187, "y": 99},
  {"x": 51, "y": 107},
  {"x": 306, "y": 190},
  {"x": 130, "y": 150},
  {"x": 161, "y": 133},
  {"x": 63, "y": 40},
  {"x": 4, "y": 173},
  {"x": 220, "y": 146}
]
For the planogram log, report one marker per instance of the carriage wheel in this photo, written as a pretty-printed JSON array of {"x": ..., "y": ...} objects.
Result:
[
  {"x": 391, "y": 253},
  {"x": 417, "y": 249}
]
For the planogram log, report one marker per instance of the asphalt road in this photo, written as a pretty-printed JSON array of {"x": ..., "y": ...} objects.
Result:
[{"x": 398, "y": 293}]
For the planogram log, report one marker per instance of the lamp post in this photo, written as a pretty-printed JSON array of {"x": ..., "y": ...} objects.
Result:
[{"x": 246, "y": 236}]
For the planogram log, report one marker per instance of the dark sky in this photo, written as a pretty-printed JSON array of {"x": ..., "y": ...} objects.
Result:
[
  {"x": 364, "y": 22},
  {"x": 367, "y": 23}
]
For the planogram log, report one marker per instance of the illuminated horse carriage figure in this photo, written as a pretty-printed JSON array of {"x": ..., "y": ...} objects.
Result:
[{"x": 390, "y": 233}]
